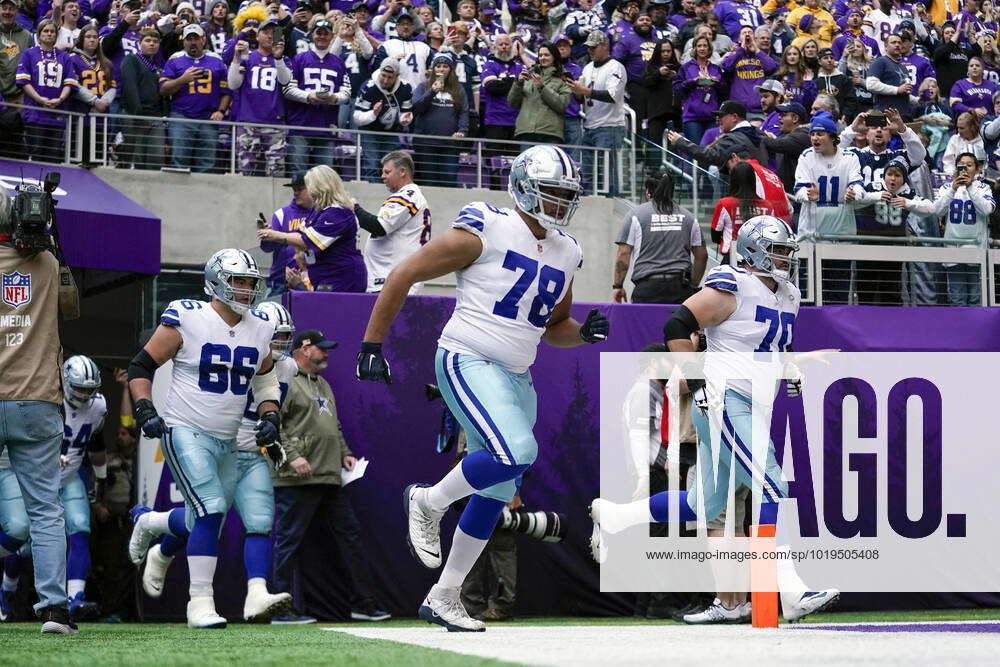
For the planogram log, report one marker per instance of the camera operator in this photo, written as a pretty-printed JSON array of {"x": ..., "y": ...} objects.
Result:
[{"x": 31, "y": 422}]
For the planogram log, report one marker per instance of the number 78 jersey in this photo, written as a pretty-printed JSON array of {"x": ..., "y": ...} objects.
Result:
[
  {"x": 505, "y": 297},
  {"x": 764, "y": 321},
  {"x": 214, "y": 367}
]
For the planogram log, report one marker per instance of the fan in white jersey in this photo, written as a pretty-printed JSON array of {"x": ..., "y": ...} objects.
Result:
[
  {"x": 220, "y": 350},
  {"x": 882, "y": 22},
  {"x": 402, "y": 225},
  {"x": 254, "y": 496},
  {"x": 515, "y": 271},
  {"x": 966, "y": 204},
  {"x": 84, "y": 409},
  {"x": 746, "y": 308},
  {"x": 826, "y": 179}
]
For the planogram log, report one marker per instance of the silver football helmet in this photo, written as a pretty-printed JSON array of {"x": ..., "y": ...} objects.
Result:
[
  {"x": 537, "y": 170},
  {"x": 232, "y": 263},
  {"x": 81, "y": 380},
  {"x": 757, "y": 241},
  {"x": 280, "y": 343}
]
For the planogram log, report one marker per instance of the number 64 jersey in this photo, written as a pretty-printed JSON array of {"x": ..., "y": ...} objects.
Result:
[
  {"x": 214, "y": 367},
  {"x": 764, "y": 321},
  {"x": 505, "y": 297}
]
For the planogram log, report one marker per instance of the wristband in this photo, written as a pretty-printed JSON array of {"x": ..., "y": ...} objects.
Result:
[
  {"x": 100, "y": 471},
  {"x": 128, "y": 421},
  {"x": 618, "y": 286}
]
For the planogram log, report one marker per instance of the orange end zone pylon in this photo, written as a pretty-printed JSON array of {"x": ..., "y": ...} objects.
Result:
[{"x": 763, "y": 578}]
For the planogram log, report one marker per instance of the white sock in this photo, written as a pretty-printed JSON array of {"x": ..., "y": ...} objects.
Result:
[
  {"x": 617, "y": 517},
  {"x": 789, "y": 582},
  {"x": 257, "y": 585},
  {"x": 158, "y": 522},
  {"x": 465, "y": 550},
  {"x": 453, "y": 487},
  {"x": 201, "y": 570},
  {"x": 74, "y": 586},
  {"x": 9, "y": 585}
]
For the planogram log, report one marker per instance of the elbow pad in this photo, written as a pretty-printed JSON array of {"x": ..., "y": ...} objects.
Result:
[
  {"x": 266, "y": 388},
  {"x": 142, "y": 366},
  {"x": 680, "y": 326}
]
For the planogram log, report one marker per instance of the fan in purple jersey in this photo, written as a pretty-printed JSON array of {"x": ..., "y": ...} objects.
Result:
[
  {"x": 259, "y": 76},
  {"x": 319, "y": 84},
  {"x": 634, "y": 49},
  {"x": 973, "y": 93},
  {"x": 121, "y": 38},
  {"x": 573, "y": 125},
  {"x": 218, "y": 27},
  {"x": 629, "y": 12},
  {"x": 289, "y": 218},
  {"x": 737, "y": 14},
  {"x": 197, "y": 80},
  {"x": 746, "y": 68},
  {"x": 499, "y": 75},
  {"x": 852, "y": 33},
  {"x": 47, "y": 78},
  {"x": 329, "y": 236},
  {"x": 687, "y": 13}
]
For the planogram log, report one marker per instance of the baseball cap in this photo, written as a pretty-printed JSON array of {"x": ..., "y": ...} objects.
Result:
[
  {"x": 824, "y": 52},
  {"x": 313, "y": 337},
  {"x": 795, "y": 108},
  {"x": 731, "y": 106},
  {"x": 193, "y": 29},
  {"x": 822, "y": 122},
  {"x": 324, "y": 24},
  {"x": 596, "y": 38},
  {"x": 271, "y": 21},
  {"x": 16, "y": 3},
  {"x": 305, "y": 4},
  {"x": 771, "y": 86},
  {"x": 298, "y": 180},
  {"x": 403, "y": 14},
  {"x": 488, "y": 7},
  {"x": 360, "y": 4},
  {"x": 906, "y": 25}
]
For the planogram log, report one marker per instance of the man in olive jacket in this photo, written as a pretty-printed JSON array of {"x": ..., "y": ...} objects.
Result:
[{"x": 309, "y": 487}]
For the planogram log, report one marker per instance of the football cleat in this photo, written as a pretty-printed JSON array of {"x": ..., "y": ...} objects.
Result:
[
  {"x": 370, "y": 613},
  {"x": 598, "y": 547},
  {"x": 138, "y": 544},
  {"x": 809, "y": 602},
  {"x": 201, "y": 614},
  {"x": 423, "y": 527},
  {"x": 83, "y": 610},
  {"x": 292, "y": 619},
  {"x": 155, "y": 571},
  {"x": 4, "y": 605},
  {"x": 447, "y": 611},
  {"x": 261, "y": 606},
  {"x": 715, "y": 613}
]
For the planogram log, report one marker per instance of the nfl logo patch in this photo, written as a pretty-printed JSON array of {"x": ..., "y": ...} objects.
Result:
[{"x": 16, "y": 289}]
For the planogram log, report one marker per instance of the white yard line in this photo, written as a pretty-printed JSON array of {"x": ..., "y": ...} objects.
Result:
[{"x": 603, "y": 645}]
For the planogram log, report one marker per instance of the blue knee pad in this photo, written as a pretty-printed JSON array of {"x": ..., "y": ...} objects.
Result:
[
  {"x": 76, "y": 506},
  {"x": 479, "y": 518}
]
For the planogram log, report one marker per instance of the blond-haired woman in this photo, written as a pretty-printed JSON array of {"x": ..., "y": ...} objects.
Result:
[{"x": 328, "y": 237}]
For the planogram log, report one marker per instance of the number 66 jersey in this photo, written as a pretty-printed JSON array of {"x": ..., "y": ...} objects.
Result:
[
  {"x": 764, "y": 321},
  {"x": 505, "y": 297},
  {"x": 214, "y": 367}
]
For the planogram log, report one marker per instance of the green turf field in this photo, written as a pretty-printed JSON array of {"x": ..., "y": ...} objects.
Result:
[{"x": 21, "y": 644}]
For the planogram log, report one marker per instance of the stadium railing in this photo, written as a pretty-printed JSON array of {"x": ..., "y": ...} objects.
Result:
[{"x": 113, "y": 139}]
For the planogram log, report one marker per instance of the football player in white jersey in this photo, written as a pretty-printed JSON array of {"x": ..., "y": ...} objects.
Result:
[
  {"x": 254, "y": 497},
  {"x": 220, "y": 349},
  {"x": 402, "y": 225},
  {"x": 84, "y": 408},
  {"x": 515, "y": 272},
  {"x": 746, "y": 308}
]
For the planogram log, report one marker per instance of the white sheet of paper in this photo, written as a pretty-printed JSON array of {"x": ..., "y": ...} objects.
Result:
[{"x": 348, "y": 476}]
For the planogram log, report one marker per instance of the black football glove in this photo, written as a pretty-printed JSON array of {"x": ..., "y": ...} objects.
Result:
[
  {"x": 697, "y": 387},
  {"x": 793, "y": 383},
  {"x": 595, "y": 329},
  {"x": 267, "y": 428},
  {"x": 276, "y": 453},
  {"x": 372, "y": 365},
  {"x": 152, "y": 424}
]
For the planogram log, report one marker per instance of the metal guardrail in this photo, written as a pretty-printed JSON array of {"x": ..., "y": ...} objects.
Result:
[{"x": 102, "y": 139}]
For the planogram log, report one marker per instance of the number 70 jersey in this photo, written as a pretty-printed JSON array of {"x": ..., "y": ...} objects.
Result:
[
  {"x": 505, "y": 297},
  {"x": 764, "y": 321},
  {"x": 214, "y": 367}
]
